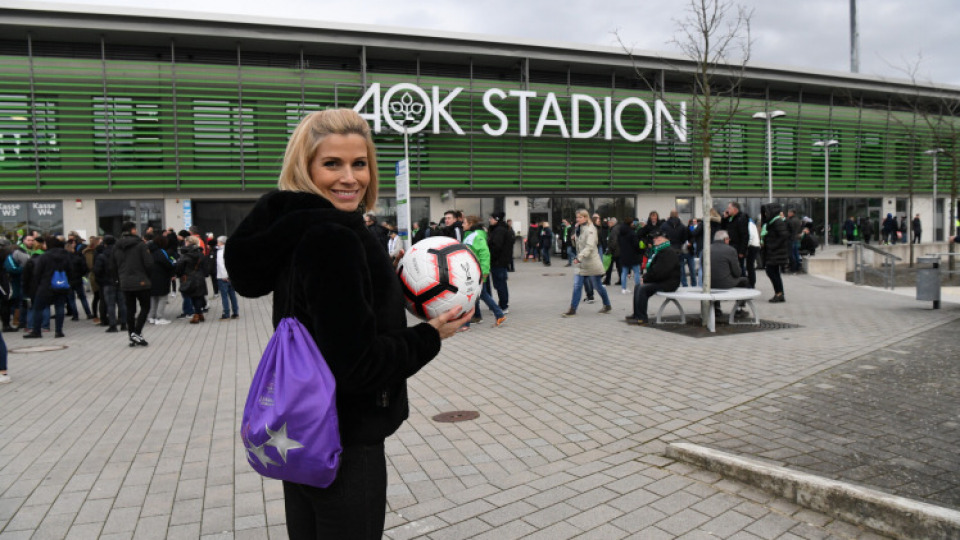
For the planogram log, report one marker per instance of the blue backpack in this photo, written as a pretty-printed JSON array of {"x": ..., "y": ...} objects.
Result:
[{"x": 59, "y": 281}]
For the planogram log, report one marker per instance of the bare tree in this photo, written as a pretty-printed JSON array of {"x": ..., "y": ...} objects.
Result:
[
  {"x": 715, "y": 37},
  {"x": 938, "y": 114}
]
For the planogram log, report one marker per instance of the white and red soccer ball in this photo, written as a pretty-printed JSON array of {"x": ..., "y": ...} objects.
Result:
[{"x": 438, "y": 274}]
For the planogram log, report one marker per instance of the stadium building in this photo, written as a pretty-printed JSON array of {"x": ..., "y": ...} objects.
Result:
[{"x": 175, "y": 119}]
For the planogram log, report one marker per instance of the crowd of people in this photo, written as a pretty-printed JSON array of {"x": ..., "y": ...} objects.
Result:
[
  {"x": 654, "y": 255},
  {"x": 663, "y": 255},
  {"x": 121, "y": 283}
]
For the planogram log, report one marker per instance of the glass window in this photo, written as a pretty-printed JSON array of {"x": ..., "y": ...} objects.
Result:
[
  {"x": 784, "y": 150},
  {"x": 479, "y": 206},
  {"x": 730, "y": 149},
  {"x": 127, "y": 131},
  {"x": 13, "y": 216},
  {"x": 111, "y": 213},
  {"x": 220, "y": 130},
  {"x": 45, "y": 217},
  {"x": 16, "y": 133},
  {"x": 387, "y": 209}
]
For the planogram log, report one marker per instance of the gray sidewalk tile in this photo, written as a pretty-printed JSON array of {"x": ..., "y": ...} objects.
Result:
[{"x": 143, "y": 443}]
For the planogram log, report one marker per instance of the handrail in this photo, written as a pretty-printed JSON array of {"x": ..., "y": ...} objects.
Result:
[
  {"x": 860, "y": 266},
  {"x": 877, "y": 250}
]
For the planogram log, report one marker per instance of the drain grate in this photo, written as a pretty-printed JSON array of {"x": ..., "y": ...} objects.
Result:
[
  {"x": 38, "y": 348},
  {"x": 456, "y": 416}
]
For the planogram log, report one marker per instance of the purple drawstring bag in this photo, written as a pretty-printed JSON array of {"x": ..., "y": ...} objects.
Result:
[{"x": 290, "y": 428}]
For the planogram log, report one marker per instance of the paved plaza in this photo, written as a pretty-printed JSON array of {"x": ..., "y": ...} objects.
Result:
[{"x": 100, "y": 440}]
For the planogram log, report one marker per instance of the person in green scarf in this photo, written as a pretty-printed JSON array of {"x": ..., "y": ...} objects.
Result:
[{"x": 662, "y": 273}]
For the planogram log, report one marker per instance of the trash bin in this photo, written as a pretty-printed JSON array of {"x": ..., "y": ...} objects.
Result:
[{"x": 928, "y": 281}]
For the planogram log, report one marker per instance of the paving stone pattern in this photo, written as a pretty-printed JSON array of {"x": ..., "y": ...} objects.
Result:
[
  {"x": 888, "y": 419},
  {"x": 105, "y": 441}
]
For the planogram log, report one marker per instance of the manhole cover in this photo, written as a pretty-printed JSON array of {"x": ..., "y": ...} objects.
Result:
[
  {"x": 456, "y": 416},
  {"x": 38, "y": 348}
]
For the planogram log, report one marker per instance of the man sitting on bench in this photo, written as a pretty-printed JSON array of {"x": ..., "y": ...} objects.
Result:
[
  {"x": 725, "y": 270},
  {"x": 662, "y": 274}
]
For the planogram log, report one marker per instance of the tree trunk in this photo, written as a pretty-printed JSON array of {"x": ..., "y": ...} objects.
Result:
[{"x": 705, "y": 305}]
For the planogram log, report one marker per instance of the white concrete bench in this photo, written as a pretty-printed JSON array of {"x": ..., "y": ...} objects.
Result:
[{"x": 715, "y": 295}]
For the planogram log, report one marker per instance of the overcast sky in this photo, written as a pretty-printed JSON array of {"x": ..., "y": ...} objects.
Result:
[{"x": 802, "y": 33}]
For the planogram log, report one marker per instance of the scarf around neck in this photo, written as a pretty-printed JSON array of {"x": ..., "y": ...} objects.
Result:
[{"x": 653, "y": 253}]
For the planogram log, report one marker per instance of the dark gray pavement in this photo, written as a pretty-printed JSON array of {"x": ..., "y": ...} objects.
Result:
[{"x": 889, "y": 419}]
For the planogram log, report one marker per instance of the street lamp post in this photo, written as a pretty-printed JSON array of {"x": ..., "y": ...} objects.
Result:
[
  {"x": 934, "y": 152},
  {"x": 768, "y": 117},
  {"x": 826, "y": 186}
]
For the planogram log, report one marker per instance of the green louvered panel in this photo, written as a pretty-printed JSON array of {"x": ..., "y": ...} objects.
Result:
[
  {"x": 19, "y": 156},
  {"x": 131, "y": 125}
]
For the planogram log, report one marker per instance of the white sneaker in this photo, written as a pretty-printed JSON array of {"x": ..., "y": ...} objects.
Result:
[
  {"x": 160, "y": 321},
  {"x": 152, "y": 321},
  {"x": 624, "y": 291},
  {"x": 172, "y": 294},
  {"x": 4, "y": 379}
]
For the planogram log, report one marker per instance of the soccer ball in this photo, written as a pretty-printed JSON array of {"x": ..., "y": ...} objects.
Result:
[{"x": 438, "y": 274}]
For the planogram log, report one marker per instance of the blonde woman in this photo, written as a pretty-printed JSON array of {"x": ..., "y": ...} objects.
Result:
[
  {"x": 589, "y": 264},
  {"x": 307, "y": 244}
]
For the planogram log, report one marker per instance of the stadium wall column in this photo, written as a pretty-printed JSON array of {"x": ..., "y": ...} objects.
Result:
[{"x": 173, "y": 212}]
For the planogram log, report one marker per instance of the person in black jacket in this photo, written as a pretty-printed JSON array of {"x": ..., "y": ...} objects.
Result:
[
  {"x": 161, "y": 273},
  {"x": 132, "y": 260},
  {"x": 78, "y": 265},
  {"x": 653, "y": 224},
  {"x": 500, "y": 242},
  {"x": 192, "y": 272},
  {"x": 533, "y": 242},
  {"x": 329, "y": 272},
  {"x": 661, "y": 274},
  {"x": 774, "y": 245},
  {"x": 630, "y": 256},
  {"x": 676, "y": 231},
  {"x": 105, "y": 272},
  {"x": 452, "y": 225},
  {"x": 51, "y": 277},
  {"x": 546, "y": 242},
  {"x": 28, "y": 287},
  {"x": 737, "y": 226}
]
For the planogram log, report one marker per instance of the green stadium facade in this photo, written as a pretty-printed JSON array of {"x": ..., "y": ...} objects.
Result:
[{"x": 173, "y": 118}]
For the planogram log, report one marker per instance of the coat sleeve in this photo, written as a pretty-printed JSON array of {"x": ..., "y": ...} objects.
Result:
[{"x": 336, "y": 292}]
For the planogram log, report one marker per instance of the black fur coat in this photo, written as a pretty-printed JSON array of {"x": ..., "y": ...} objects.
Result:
[{"x": 346, "y": 293}]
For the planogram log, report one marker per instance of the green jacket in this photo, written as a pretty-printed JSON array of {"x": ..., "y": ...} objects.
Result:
[{"x": 477, "y": 240}]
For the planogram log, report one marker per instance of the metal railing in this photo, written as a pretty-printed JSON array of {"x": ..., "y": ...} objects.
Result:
[{"x": 861, "y": 267}]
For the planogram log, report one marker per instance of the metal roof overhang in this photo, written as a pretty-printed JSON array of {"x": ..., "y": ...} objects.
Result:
[{"x": 84, "y": 24}]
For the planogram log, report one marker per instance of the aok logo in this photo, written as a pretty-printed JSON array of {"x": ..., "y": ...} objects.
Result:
[{"x": 420, "y": 110}]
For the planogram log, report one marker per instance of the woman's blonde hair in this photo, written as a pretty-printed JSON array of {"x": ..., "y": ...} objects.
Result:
[
  {"x": 583, "y": 213},
  {"x": 302, "y": 147},
  {"x": 192, "y": 240}
]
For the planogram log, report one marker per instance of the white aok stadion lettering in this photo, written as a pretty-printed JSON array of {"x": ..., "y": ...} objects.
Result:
[{"x": 606, "y": 117}]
